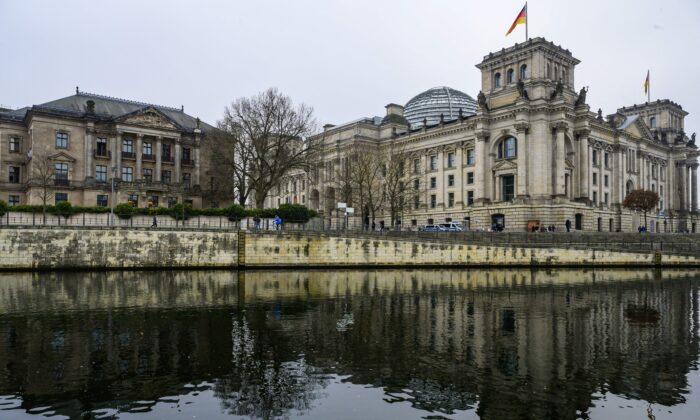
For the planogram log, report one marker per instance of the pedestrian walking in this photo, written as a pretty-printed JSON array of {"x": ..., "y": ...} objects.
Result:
[
  {"x": 278, "y": 223},
  {"x": 568, "y": 225},
  {"x": 155, "y": 222}
]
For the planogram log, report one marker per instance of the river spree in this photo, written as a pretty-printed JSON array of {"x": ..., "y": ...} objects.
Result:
[{"x": 493, "y": 344}]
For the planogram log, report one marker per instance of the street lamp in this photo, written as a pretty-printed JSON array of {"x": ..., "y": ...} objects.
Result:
[{"x": 111, "y": 217}]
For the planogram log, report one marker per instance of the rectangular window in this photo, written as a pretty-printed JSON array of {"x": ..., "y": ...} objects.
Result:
[
  {"x": 451, "y": 160},
  {"x": 147, "y": 149},
  {"x": 14, "y": 175},
  {"x": 101, "y": 173},
  {"x": 165, "y": 152},
  {"x": 101, "y": 147},
  {"x": 153, "y": 201},
  {"x": 470, "y": 156},
  {"x": 433, "y": 163},
  {"x": 128, "y": 146},
  {"x": 60, "y": 197},
  {"x": 62, "y": 140},
  {"x": 606, "y": 198},
  {"x": 127, "y": 174},
  {"x": 470, "y": 198},
  {"x": 102, "y": 200},
  {"x": 172, "y": 201},
  {"x": 166, "y": 177},
  {"x": 433, "y": 201},
  {"x": 508, "y": 187},
  {"x": 148, "y": 174},
  {"x": 133, "y": 199},
  {"x": 595, "y": 197},
  {"x": 595, "y": 178},
  {"x": 416, "y": 184},
  {"x": 594, "y": 157},
  {"x": 416, "y": 202},
  {"x": 186, "y": 157},
  {"x": 470, "y": 178},
  {"x": 606, "y": 158},
  {"x": 14, "y": 145},
  {"x": 60, "y": 170},
  {"x": 450, "y": 180},
  {"x": 450, "y": 200},
  {"x": 433, "y": 182},
  {"x": 416, "y": 166},
  {"x": 186, "y": 179},
  {"x": 605, "y": 180},
  {"x": 13, "y": 200}
]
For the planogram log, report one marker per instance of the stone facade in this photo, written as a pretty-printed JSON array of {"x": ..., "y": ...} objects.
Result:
[
  {"x": 76, "y": 145},
  {"x": 533, "y": 154}
]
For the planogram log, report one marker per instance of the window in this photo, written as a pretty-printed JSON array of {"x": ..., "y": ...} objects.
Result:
[
  {"x": 595, "y": 197},
  {"x": 102, "y": 200},
  {"x": 509, "y": 76},
  {"x": 606, "y": 159},
  {"x": 606, "y": 198},
  {"x": 450, "y": 200},
  {"x": 166, "y": 177},
  {"x": 61, "y": 170},
  {"x": 523, "y": 72},
  {"x": 13, "y": 200},
  {"x": 134, "y": 200},
  {"x": 508, "y": 187},
  {"x": 101, "y": 173},
  {"x": 433, "y": 182},
  {"x": 148, "y": 174},
  {"x": 61, "y": 140},
  {"x": 416, "y": 166},
  {"x": 186, "y": 179},
  {"x": 450, "y": 180},
  {"x": 433, "y": 201},
  {"x": 147, "y": 149},
  {"x": 605, "y": 181},
  {"x": 470, "y": 198},
  {"x": 127, "y": 174},
  {"x": 128, "y": 146},
  {"x": 470, "y": 178},
  {"x": 497, "y": 80},
  {"x": 549, "y": 71},
  {"x": 60, "y": 197},
  {"x": 165, "y": 151},
  {"x": 507, "y": 148},
  {"x": 186, "y": 156},
  {"x": 594, "y": 157},
  {"x": 101, "y": 147},
  {"x": 595, "y": 178},
  {"x": 451, "y": 160},
  {"x": 470, "y": 156},
  {"x": 416, "y": 202},
  {"x": 433, "y": 163},
  {"x": 153, "y": 201},
  {"x": 416, "y": 184},
  {"x": 14, "y": 175},
  {"x": 14, "y": 145},
  {"x": 172, "y": 201},
  {"x": 652, "y": 122}
]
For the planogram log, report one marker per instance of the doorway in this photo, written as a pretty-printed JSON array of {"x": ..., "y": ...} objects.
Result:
[
  {"x": 498, "y": 222},
  {"x": 578, "y": 224}
]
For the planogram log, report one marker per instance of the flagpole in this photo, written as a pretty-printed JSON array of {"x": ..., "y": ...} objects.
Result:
[{"x": 527, "y": 21}]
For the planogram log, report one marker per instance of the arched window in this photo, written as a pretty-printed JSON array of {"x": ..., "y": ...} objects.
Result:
[
  {"x": 497, "y": 80},
  {"x": 556, "y": 72},
  {"x": 628, "y": 188},
  {"x": 652, "y": 122},
  {"x": 563, "y": 76},
  {"x": 509, "y": 76},
  {"x": 507, "y": 148},
  {"x": 523, "y": 72}
]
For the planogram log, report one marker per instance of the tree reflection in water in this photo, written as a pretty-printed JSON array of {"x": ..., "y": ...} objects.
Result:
[{"x": 506, "y": 344}]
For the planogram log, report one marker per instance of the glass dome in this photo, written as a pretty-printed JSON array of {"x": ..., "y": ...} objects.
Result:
[{"x": 437, "y": 101}]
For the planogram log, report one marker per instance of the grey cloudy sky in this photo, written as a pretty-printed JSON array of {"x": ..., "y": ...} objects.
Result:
[{"x": 345, "y": 58}]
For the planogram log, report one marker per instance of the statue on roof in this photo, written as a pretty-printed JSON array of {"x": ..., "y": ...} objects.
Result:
[
  {"x": 581, "y": 100},
  {"x": 522, "y": 91},
  {"x": 691, "y": 143},
  {"x": 481, "y": 99},
  {"x": 600, "y": 114},
  {"x": 558, "y": 90}
]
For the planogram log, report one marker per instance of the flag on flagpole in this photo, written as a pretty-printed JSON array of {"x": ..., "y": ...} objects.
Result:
[
  {"x": 522, "y": 18},
  {"x": 646, "y": 83}
]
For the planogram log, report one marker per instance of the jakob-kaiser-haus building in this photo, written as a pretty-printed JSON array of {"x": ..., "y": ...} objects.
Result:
[{"x": 529, "y": 151}]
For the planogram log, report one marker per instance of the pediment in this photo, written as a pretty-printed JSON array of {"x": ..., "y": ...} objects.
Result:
[
  {"x": 62, "y": 157},
  {"x": 149, "y": 117},
  {"x": 504, "y": 165}
]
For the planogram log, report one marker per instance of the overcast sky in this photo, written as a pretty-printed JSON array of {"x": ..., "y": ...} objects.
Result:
[{"x": 347, "y": 59}]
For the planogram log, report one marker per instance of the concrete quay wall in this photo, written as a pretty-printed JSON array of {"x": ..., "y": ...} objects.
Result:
[{"x": 40, "y": 248}]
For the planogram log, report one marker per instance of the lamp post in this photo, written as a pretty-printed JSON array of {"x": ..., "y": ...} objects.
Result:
[{"x": 111, "y": 202}]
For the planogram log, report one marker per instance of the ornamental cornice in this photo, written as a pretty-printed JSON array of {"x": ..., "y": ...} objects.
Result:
[
  {"x": 522, "y": 127},
  {"x": 482, "y": 135},
  {"x": 561, "y": 126},
  {"x": 582, "y": 132}
]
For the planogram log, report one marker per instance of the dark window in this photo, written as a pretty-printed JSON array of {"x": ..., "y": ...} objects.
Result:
[
  {"x": 61, "y": 140},
  {"x": 508, "y": 187},
  {"x": 594, "y": 156},
  {"x": 101, "y": 147},
  {"x": 147, "y": 149},
  {"x": 606, "y": 159},
  {"x": 450, "y": 180},
  {"x": 595, "y": 178},
  {"x": 166, "y": 177},
  {"x": 14, "y": 174},
  {"x": 450, "y": 199},
  {"x": 433, "y": 201},
  {"x": 497, "y": 80},
  {"x": 186, "y": 179},
  {"x": 433, "y": 182},
  {"x": 652, "y": 122},
  {"x": 509, "y": 76},
  {"x": 153, "y": 201},
  {"x": 127, "y": 174},
  {"x": 470, "y": 156},
  {"x": 416, "y": 165},
  {"x": 148, "y": 174},
  {"x": 186, "y": 158},
  {"x": 13, "y": 200},
  {"x": 165, "y": 151},
  {"x": 61, "y": 170},
  {"x": 605, "y": 180},
  {"x": 416, "y": 184},
  {"x": 433, "y": 163},
  {"x": 102, "y": 200},
  {"x": 416, "y": 202},
  {"x": 14, "y": 144},
  {"x": 470, "y": 198},
  {"x": 523, "y": 72},
  {"x": 470, "y": 177},
  {"x": 450, "y": 160},
  {"x": 101, "y": 173},
  {"x": 128, "y": 146},
  {"x": 60, "y": 197},
  {"x": 507, "y": 148}
]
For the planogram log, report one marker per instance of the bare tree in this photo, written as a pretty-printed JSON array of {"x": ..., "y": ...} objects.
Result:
[
  {"x": 367, "y": 181},
  {"x": 269, "y": 139},
  {"x": 398, "y": 192},
  {"x": 641, "y": 200},
  {"x": 42, "y": 181}
]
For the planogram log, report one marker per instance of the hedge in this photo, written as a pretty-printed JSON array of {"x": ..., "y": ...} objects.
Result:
[{"x": 287, "y": 212}]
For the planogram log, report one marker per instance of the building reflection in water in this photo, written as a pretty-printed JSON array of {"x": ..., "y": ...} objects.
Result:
[{"x": 507, "y": 344}]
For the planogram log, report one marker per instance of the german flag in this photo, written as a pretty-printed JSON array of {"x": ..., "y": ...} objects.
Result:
[
  {"x": 522, "y": 18},
  {"x": 646, "y": 83}
]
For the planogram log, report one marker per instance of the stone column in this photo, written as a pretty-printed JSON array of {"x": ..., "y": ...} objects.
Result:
[
  {"x": 459, "y": 180},
  {"x": 159, "y": 158},
  {"x": 89, "y": 141},
  {"x": 178, "y": 163},
  {"x": 118, "y": 154},
  {"x": 560, "y": 159},
  {"x": 585, "y": 164},
  {"x": 195, "y": 175},
  {"x": 522, "y": 148},
  {"x": 686, "y": 174},
  {"x": 139, "y": 156},
  {"x": 694, "y": 188},
  {"x": 481, "y": 176}
]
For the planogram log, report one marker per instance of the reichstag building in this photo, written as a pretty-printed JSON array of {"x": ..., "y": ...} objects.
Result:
[{"x": 528, "y": 152}]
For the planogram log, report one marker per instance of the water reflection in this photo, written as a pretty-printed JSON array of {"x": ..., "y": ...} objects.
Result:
[{"x": 497, "y": 344}]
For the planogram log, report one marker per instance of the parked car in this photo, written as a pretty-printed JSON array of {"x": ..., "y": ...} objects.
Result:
[
  {"x": 430, "y": 228},
  {"x": 451, "y": 227}
]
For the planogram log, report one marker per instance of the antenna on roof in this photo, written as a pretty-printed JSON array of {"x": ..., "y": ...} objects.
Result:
[
  {"x": 182, "y": 108},
  {"x": 77, "y": 90}
]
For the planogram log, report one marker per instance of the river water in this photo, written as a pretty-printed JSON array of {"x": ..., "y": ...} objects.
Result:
[{"x": 384, "y": 344}]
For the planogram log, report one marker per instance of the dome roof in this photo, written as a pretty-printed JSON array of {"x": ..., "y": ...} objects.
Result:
[{"x": 437, "y": 101}]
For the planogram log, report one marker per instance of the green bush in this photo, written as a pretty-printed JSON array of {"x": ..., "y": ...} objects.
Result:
[
  {"x": 235, "y": 212},
  {"x": 64, "y": 208},
  {"x": 181, "y": 211},
  {"x": 3, "y": 208},
  {"x": 295, "y": 213},
  {"x": 124, "y": 210}
]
